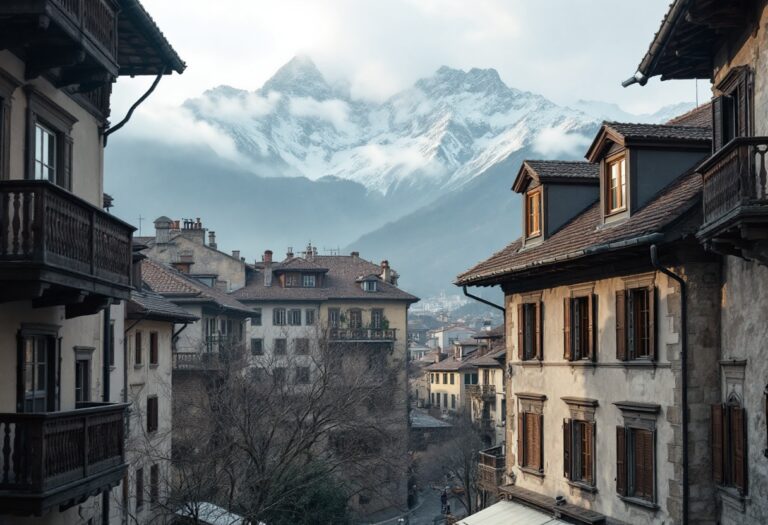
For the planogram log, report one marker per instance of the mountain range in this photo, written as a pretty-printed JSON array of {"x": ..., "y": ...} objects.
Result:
[{"x": 421, "y": 179}]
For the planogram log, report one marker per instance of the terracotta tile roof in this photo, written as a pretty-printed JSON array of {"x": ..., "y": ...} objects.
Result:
[
  {"x": 147, "y": 304},
  {"x": 564, "y": 169},
  {"x": 451, "y": 364},
  {"x": 491, "y": 358},
  {"x": 583, "y": 234},
  {"x": 299, "y": 263},
  {"x": 659, "y": 131},
  {"x": 176, "y": 286},
  {"x": 339, "y": 283},
  {"x": 700, "y": 116}
]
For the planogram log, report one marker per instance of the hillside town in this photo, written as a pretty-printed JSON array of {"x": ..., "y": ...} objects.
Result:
[{"x": 151, "y": 377}]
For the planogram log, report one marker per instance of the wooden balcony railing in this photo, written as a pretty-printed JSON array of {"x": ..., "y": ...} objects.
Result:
[
  {"x": 362, "y": 334},
  {"x": 45, "y": 226},
  {"x": 196, "y": 361},
  {"x": 49, "y": 458},
  {"x": 490, "y": 468},
  {"x": 734, "y": 177},
  {"x": 485, "y": 392},
  {"x": 97, "y": 19}
]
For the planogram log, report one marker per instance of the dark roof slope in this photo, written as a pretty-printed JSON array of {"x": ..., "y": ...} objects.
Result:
[
  {"x": 147, "y": 304},
  {"x": 660, "y": 131},
  {"x": 299, "y": 264},
  {"x": 583, "y": 234},
  {"x": 572, "y": 169},
  {"x": 700, "y": 116},
  {"x": 142, "y": 47},
  {"x": 181, "y": 288},
  {"x": 339, "y": 283}
]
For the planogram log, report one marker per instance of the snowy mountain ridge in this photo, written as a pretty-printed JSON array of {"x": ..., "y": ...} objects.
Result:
[{"x": 435, "y": 136}]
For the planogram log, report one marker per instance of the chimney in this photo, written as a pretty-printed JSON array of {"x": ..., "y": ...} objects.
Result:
[
  {"x": 193, "y": 230},
  {"x": 236, "y": 254},
  {"x": 268, "y": 268},
  {"x": 386, "y": 272},
  {"x": 289, "y": 255},
  {"x": 355, "y": 255},
  {"x": 163, "y": 230},
  {"x": 212, "y": 239}
]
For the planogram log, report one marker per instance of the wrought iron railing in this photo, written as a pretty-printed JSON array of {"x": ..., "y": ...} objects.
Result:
[
  {"x": 41, "y": 452},
  {"x": 734, "y": 176},
  {"x": 196, "y": 361},
  {"x": 362, "y": 334},
  {"x": 482, "y": 391},
  {"x": 43, "y": 224}
]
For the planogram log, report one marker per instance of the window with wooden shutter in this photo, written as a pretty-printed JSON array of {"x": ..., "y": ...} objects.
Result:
[
  {"x": 739, "y": 444},
  {"x": 567, "y": 354},
  {"x": 621, "y": 461},
  {"x": 729, "y": 445},
  {"x": 539, "y": 352},
  {"x": 621, "y": 319},
  {"x": 591, "y": 331},
  {"x": 642, "y": 479},
  {"x": 717, "y": 443},
  {"x": 651, "y": 331},
  {"x": 520, "y": 439},
  {"x": 520, "y": 331},
  {"x": 567, "y": 448}
]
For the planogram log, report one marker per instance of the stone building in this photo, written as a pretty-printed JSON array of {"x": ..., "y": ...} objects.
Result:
[
  {"x": 309, "y": 304},
  {"x": 726, "y": 43},
  {"x": 65, "y": 265},
  {"x": 596, "y": 356}
]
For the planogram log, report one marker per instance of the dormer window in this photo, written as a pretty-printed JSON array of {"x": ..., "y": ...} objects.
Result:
[
  {"x": 616, "y": 198},
  {"x": 370, "y": 286},
  {"x": 533, "y": 214},
  {"x": 308, "y": 280},
  {"x": 291, "y": 280}
]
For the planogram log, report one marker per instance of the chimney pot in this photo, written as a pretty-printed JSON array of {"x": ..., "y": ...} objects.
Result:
[
  {"x": 212, "y": 239},
  {"x": 236, "y": 254},
  {"x": 267, "y": 257},
  {"x": 355, "y": 255},
  {"x": 289, "y": 255}
]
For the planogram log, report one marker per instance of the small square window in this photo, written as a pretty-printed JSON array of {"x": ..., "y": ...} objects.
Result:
[
  {"x": 302, "y": 346},
  {"x": 308, "y": 281},
  {"x": 257, "y": 346},
  {"x": 302, "y": 375},
  {"x": 309, "y": 316},
  {"x": 281, "y": 347},
  {"x": 370, "y": 285},
  {"x": 256, "y": 317}
]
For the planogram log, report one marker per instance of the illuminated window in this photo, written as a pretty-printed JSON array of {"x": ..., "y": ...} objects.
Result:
[
  {"x": 533, "y": 214},
  {"x": 617, "y": 185}
]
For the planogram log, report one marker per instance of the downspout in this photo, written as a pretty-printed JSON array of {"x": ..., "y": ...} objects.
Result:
[
  {"x": 135, "y": 105},
  {"x": 105, "y": 372},
  {"x": 484, "y": 301},
  {"x": 683, "y": 366}
]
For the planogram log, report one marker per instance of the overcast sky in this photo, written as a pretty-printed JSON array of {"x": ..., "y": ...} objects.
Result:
[{"x": 563, "y": 49}]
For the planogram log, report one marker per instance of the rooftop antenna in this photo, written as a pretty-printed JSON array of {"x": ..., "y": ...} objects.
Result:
[
  {"x": 140, "y": 219},
  {"x": 696, "y": 83}
]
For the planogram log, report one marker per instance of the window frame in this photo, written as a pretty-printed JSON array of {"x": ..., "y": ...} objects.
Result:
[
  {"x": 582, "y": 415},
  {"x": 302, "y": 375},
  {"x": 8, "y": 85},
  {"x": 43, "y": 111},
  {"x": 530, "y": 440},
  {"x": 154, "y": 348},
  {"x": 580, "y": 338},
  {"x": 334, "y": 317},
  {"x": 370, "y": 285},
  {"x": 154, "y": 484},
  {"x": 279, "y": 317},
  {"x": 530, "y": 331},
  {"x": 730, "y": 445},
  {"x": 139, "y": 488},
  {"x": 260, "y": 345},
  {"x": 639, "y": 419},
  {"x": 281, "y": 344},
  {"x": 301, "y": 346},
  {"x": 629, "y": 323},
  {"x": 256, "y": 317},
  {"x": 138, "y": 349},
  {"x": 52, "y": 392},
  {"x": 622, "y": 184},
  {"x": 153, "y": 414},
  {"x": 310, "y": 316},
  {"x": 294, "y": 317},
  {"x": 307, "y": 278},
  {"x": 533, "y": 213},
  {"x": 355, "y": 318}
]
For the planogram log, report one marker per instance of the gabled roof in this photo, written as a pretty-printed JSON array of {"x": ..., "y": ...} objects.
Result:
[
  {"x": 682, "y": 47},
  {"x": 627, "y": 134},
  {"x": 583, "y": 236},
  {"x": 181, "y": 288},
  {"x": 142, "y": 48},
  {"x": 556, "y": 171},
  {"x": 491, "y": 359},
  {"x": 339, "y": 284},
  {"x": 298, "y": 264},
  {"x": 700, "y": 116},
  {"x": 147, "y": 304},
  {"x": 451, "y": 364}
]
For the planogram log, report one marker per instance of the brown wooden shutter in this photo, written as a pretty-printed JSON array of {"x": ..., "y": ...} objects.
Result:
[
  {"x": 592, "y": 340},
  {"x": 652, "y": 322},
  {"x": 520, "y": 331},
  {"x": 520, "y": 439},
  {"x": 621, "y": 461},
  {"x": 567, "y": 447},
  {"x": 621, "y": 321},
  {"x": 739, "y": 444},
  {"x": 591, "y": 429},
  {"x": 717, "y": 443},
  {"x": 742, "y": 105},
  {"x": 717, "y": 123},
  {"x": 567, "y": 352},
  {"x": 539, "y": 334},
  {"x": 645, "y": 461},
  {"x": 67, "y": 160},
  {"x": 540, "y": 442}
]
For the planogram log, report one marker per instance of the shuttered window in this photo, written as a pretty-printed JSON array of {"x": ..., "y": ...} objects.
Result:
[
  {"x": 152, "y": 414},
  {"x": 579, "y": 451},
  {"x": 530, "y": 441},
  {"x": 732, "y": 113},
  {"x": 729, "y": 446},
  {"x": 635, "y": 463},
  {"x": 636, "y": 324},
  {"x": 579, "y": 335},
  {"x": 529, "y": 331}
]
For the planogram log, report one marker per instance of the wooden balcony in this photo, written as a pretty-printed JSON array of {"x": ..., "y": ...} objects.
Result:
[
  {"x": 736, "y": 199},
  {"x": 57, "y": 249},
  {"x": 482, "y": 392},
  {"x": 73, "y": 42},
  {"x": 196, "y": 361},
  {"x": 59, "y": 459},
  {"x": 490, "y": 468},
  {"x": 362, "y": 335}
]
